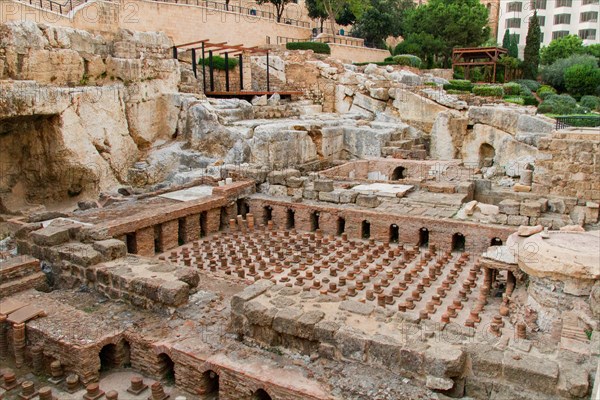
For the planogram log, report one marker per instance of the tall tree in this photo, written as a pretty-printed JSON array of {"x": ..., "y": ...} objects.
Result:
[
  {"x": 334, "y": 8},
  {"x": 384, "y": 18},
  {"x": 506, "y": 40},
  {"x": 279, "y": 6},
  {"x": 454, "y": 23},
  {"x": 561, "y": 48},
  {"x": 316, "y": 11},
  {"x": 513, "y": 47},
  {"x": 531, "y": 57}
]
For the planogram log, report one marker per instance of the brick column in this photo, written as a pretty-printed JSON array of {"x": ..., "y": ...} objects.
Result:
[
  {"x": 213, "y": 220},
  {"x": 191, "y": 228},
  {"x": 144, "y": 241},
  {"x": 169, "y": 238},
  {"x": 328, "y": 223}
]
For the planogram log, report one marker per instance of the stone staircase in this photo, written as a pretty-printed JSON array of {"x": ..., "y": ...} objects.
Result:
[
  {"x": 20, "y": 273},
  {"x": 401, "y": 147},
  {"x": 232, "y": 110}
]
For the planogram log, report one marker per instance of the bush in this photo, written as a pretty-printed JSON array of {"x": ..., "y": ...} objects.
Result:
[
  {"x": 459, "y": 84},
  {"x": 455, "y": 91},
  {"x": 581, "y": 80},
  {"x": 545, "y": 91},
  {"x": 219, "y": 63},
  {"x": 515, "y": 99},
  {"x": 530, "y": 101},
  {"x": 488, "y": 90},
  {"x": 558, "y": 104},
  {"x": 591, "y": 102},
  {"x": 317, "y": 47},
  {"x": 554, "y": 74},
  {"x": 388, "y": 59},
  {"x": 530, "y": 84},
  {"x": 408, "y": 59},
  {"x": 512, "y": 89}
]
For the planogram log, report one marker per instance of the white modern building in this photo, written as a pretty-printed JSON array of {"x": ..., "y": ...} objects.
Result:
[{"x": 557, "y": 18}]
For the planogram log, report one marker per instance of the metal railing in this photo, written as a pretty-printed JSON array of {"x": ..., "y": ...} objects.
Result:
[
  {"x": 340, "y": 40},
  {"x": 219, "y": 6},
  {"x": 284, "y": 40},
  {"x": 577, "y": 121},
  {"x": 52, "y": 5}
]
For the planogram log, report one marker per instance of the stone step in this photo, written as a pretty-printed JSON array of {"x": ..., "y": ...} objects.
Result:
[
  {"x": 17, "y": 267},
  {"x": 389, "y": 150},
  {"x": 403, "y": 144},
  {"x": 32, "y": 281}
]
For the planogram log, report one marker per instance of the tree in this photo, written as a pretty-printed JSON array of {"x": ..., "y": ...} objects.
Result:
[
  {"x": 582, "y": 80},
  {"x": 454, "y": 23},
  {"x": 334, "y": 8},
  {"x": 316, "y": 11},
  {"x": 279, "y": 6},
  {"x": 384, "y": 18},
  {"x": 561, "y": 48},
  {"x": 554, "y": 74},
  {"x": 506, "y": 40},
  {"x": 531, "y": 57},
  {"x": 423, "y": 45}
]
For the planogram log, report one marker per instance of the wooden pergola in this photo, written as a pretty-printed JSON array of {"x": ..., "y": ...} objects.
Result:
[
  {"x": 468, "y": 57},
  {"x": 227, "y": 50}
]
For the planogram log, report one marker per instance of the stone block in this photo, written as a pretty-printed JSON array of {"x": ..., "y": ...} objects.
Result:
[
  {"x": 51, "y": 235},
  {"x": 356, "y": 307},
  {"x": 258, "y": 313},
  {"x": 331, "y": 197},
  {"x": 485, "y": 361},
  {"x": 531, "y": 208},
  {"x": 521, "y": 188},
  {"x": 110, "y": 249},
  {"x": 277, "y": 190},
  {"x": 309, "y": 194},
  {"x": 436, "y": 383},
  {"x": 366, "y": 200},
  {"x": 509, "y": 207},
  {"x": 323, "y": 185},
  {"x": 173, "y": 293},
  {"x": 347, "y": 196},
  {"x": 445, "y": 360},
  {"x": 286, "y": 321},
  {"x": 517, "y": 220},
  {"x": 325, "y": 330},
  {"x": 306, "y": 324},
  {"x": 294, "y": 182},
  {"x": 557, "y": 206},
  {"x": 249, "y": 293},
  {"x": 573, "y": 381},
  {"x": 384, "y": 350},
  {"x": 352, "y": 343},
  {"x": 531, "y": 372},
  {"x": 591, "y": 212}
]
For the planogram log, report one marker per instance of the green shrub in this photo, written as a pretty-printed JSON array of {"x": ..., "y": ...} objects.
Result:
[
  {"x": 408, "y": 59},
  {"x": 530, "y": 84},
  {"x": 219, "y": 63},
  {"x": 456, "y": 91},
  {"x": 554, "y": 74},
  {"x": 515, "y": 99},
  {"x": 558, "y": 104},
  {"x": 459, "y": 84},
  {"x": 512, "y": 89},
  {"x": 317, "y": 47},
  {"x": 545, "y": 91},
  {"x": 388, "y": 59},
  {"x": 530, "y": 101},
  {"x": 488, "y": 90},
  {"x": 430, "y": 84},
  {"x": 581, "y": 80},
  {"x": 591, "y": 102}
]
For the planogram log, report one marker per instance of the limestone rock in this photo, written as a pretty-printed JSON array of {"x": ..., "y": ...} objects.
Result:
[
  {"x": 529, "y": 230},
  {"x": 260, "y": 100}
]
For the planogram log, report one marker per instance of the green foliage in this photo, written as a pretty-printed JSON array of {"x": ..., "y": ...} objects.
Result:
[
  {"x": 343, "y": 12},
  {"x": 515, "y": 99},
  {"x": 591, "y": 102},
  {"x": 219, "y": 63},
  {"x": 593, "y": 50},
  {"x": 382, "y": 19},
  {"x": 456, "y": 91},
  {"x": 512, "y": 89},
  {"x": 488, "y": 90},
  {"x": 531, "y": 58},
  {"x": 317, "y": 47},
  {"x": 510, "y": 62},
  {"x": 316, "y": 10},
  {"x": 581, "y": 80},
  {"x": 545, "y": 91},
  {"x": 558, "y": 104},
  {"x": 530, "y": 101},
  {"x": 561, "y": 48},
  {"x": 554, "y": 74},
  {"x": 445, "y": 24},
  {"x": 530, "y": 84},
  {"x": 506, "y": 40},
  {"x": 459, "y": 84},
  {"x": 408, "y": 59},
  {"x": 423, "y": 45},
  {"x": 279, "y": 6}
]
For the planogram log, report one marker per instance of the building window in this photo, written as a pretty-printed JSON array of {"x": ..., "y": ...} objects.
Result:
[
  {"x": 559, "y": 34},
  {"x": 541, "y": 20},
  {"x": 538, "y": 4},
  {"x": 587, "y": 34},
  {"x": 562, "y": 19},
  {"x": 590, "y": 16},
  {"x": 564, "y": 3},
  {"x": 514, "y": 6},
  {"x": 586, "y": 2},
  {"x": 513, "y": 23}
]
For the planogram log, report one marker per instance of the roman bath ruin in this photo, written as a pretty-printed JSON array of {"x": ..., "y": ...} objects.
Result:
[{"x": 356, "y": 233}]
